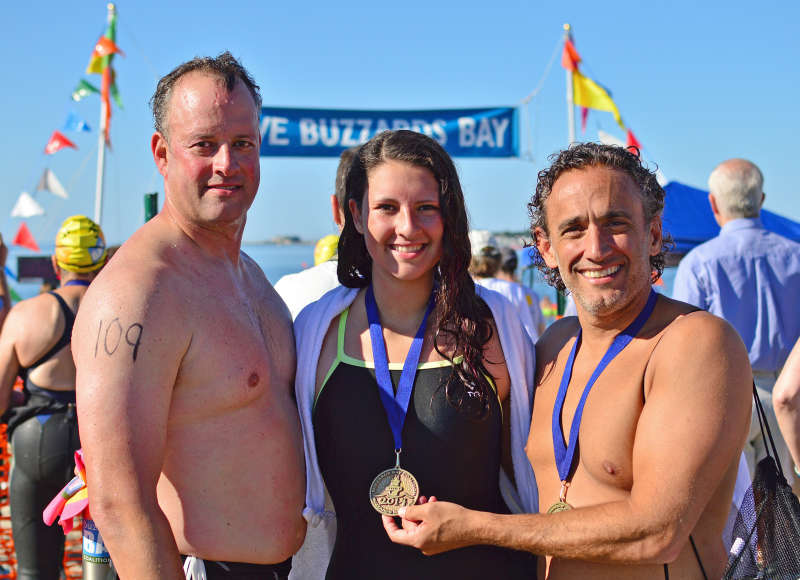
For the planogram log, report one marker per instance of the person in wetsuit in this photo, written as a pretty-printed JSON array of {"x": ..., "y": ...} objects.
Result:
[
  {"x": 43, "y": 429},
  {"x": 403, "y": 264}
]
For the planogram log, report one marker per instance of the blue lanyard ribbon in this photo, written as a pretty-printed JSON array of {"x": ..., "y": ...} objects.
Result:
[
  {"x": 396, "y": 405},
  {"x": 77, "y": 283},
  {"x": 566, "y": 455}
]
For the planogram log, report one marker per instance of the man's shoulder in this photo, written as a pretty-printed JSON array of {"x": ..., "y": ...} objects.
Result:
[
  {"x": 682, "y": 328},
  {"x": 555, "y": 337}
]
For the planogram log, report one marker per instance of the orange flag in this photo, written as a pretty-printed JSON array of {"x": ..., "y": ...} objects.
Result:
[
  {"x": 105, "y": 92},
  {"x": 570, "y": 57},
  {"x": 25, "y": 238},
  {"x": 104, "y": 47}
]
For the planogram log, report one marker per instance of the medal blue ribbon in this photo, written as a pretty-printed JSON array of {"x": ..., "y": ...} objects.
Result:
[
  {"x": 566, "y": 455},
  {"x": 396, "y": 405},
  {"x": 77, "y": 283}
]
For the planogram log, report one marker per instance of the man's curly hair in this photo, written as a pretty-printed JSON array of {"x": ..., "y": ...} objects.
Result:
[{"x": 582, "y": 156}]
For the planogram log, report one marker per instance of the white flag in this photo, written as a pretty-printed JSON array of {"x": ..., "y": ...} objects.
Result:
[
  {"x": 26, "y": 207},
  {"x": 609, "y": 139},
  {"x": 49, "y": 182}
]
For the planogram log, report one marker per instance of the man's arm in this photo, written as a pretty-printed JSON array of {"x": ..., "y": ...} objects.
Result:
[
  {"x": 128, "y": 343},
  {"x": 786, "y": 400},
  {"x": 691, "y": 429}
]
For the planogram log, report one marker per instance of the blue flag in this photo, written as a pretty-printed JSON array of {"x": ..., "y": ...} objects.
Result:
[{"x": 75, "y": 123}]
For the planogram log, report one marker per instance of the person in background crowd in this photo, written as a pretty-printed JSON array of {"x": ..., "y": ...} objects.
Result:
[
  {"x": 508, "y": 272},
  {"x": 42, "y": 424},
  {"x": 5, "y": 297},
  {"x": 786, "y": 400},
  {"x": 750, "y": 277},
  {"x": 303, "y": 288},
  {"x": 484, "y": 266}
]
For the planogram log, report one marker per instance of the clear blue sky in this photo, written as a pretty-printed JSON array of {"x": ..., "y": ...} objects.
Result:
[{"x": 698, "y": 82}]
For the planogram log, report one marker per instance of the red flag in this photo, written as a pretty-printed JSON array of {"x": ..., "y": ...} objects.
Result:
[
  {"x": 584, "y": 116},
  {"x": 25, "y": 238},
  {"x": 570, "y": 57},
  {"x": 633, "y": 141},
  {"x": 57, "y": 142}
]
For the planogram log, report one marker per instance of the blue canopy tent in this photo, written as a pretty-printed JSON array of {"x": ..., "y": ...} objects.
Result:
[{"x": 688, "y": 218}]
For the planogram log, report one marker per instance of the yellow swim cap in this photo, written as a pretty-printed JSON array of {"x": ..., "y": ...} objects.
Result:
[
  {"x": 325, "y": 249},
  {"x": 80, "y": 245}
]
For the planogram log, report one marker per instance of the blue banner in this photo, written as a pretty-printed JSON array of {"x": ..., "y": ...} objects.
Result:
[{"x": 286, "y": 132}]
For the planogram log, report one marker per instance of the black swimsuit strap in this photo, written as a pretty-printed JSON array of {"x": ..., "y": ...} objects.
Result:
[
  {"x": 697, "y": 557},
  {"x": 66, "y": 336}
]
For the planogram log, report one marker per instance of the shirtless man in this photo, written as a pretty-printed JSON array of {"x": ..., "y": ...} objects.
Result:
[
  {"x": 186, "y": 360},
  {"x": 664, "y": 424}
]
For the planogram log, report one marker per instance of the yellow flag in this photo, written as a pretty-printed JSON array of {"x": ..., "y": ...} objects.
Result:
[{"x": 587, "y": 93}]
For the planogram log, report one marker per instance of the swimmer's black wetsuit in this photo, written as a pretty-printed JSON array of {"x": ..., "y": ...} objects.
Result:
[
  {"x": 44, "y": 438},
  {"x": 454, "y": 458}
]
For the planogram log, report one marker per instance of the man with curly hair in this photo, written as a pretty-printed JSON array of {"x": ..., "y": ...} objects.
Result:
[{"x": 641, "y": 405}]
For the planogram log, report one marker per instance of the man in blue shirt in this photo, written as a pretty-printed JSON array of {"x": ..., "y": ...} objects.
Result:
[{"x": 751, "y": 278}]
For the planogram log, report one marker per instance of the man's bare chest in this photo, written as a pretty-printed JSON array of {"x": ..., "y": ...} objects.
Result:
[
  {"x": 607, "y": 426},
  {"x": 239, "y": 353}
]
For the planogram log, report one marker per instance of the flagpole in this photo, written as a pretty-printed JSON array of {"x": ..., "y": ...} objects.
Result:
[
  {"x": 570, "y": 102},
  {"x": 101, "y": 145},
  {"x": 561, "y": 300}
]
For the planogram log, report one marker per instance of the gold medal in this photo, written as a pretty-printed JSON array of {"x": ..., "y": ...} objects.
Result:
[
  {"x": 561, "y": 505},
  {"x": 393, "y": 489}
]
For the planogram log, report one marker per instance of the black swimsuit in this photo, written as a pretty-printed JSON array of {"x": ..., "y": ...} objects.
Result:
[
  {"x": 454, "y": 458},
  {"x": 44, "y": 438}
]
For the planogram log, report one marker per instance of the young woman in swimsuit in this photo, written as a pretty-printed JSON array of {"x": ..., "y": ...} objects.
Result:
[{"x": 403, "y": 263}]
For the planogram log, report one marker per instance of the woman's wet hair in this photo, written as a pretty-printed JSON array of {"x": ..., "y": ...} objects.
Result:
[{"x": 462, "y": 320}]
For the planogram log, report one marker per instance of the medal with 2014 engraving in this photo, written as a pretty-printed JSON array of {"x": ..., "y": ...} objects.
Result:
[{"x": 393, "y": 489}]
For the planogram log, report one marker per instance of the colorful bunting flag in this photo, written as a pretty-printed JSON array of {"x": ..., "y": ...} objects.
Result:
[
  {"x": 105, "y": 93},
  {"x": 609, "y": 139},
  {"x": 75, "y": 123},
  {"x": 84, "y": 89},
  {"x": 633, "y": 141},
  {"x": 104, "y": 47},
  {"x": 589, "y": 94},
  {"x": 25, "y": 238},
  {"x": 100, "y": 63},
  {"x": 569, "y": 56},
  {"x": 49, "y": 182},
  {"x": 26, "y": 206},
  {"x": 57, "y": 142},
  {"x": 114, "y": 90}
]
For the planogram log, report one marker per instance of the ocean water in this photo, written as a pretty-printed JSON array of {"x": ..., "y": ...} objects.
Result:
[
  {"x": 275, "y": 260},
  {"x": 278, "y": 260}
]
